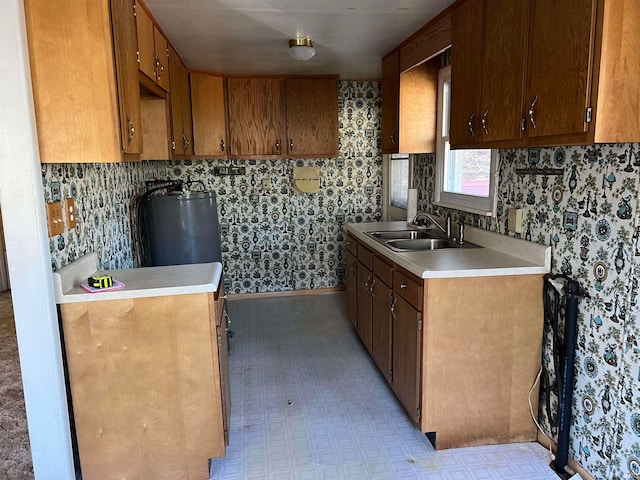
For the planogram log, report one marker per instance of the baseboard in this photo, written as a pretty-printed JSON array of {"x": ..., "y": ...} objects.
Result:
[
  {"x": 544, "y": 440},
  {"x": 285, "y": 293}
]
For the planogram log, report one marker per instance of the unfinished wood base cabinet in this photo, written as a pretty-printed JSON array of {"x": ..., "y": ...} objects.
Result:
[
  {"x": 149, "y": 385},
  {"x": 463, "y": 353}
]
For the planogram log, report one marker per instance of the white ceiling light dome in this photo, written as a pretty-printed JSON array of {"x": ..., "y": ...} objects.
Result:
[{"x": 301, "y": 49}]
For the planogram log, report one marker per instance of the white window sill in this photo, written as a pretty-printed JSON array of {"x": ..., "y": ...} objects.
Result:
[{"x": 463, "y": 208}]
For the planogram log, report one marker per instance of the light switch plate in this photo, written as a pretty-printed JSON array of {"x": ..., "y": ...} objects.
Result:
[
  {"x": 515, "y": 220},
  {"x": 70, "y": 209},
  {"x": 54, "y": 218}
]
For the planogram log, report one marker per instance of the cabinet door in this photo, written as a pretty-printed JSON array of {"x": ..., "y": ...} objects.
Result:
[
  {"x": 407, "y": 347},
  {"x": 161, "y": 50},
  {"x": 390, "y": 102},
  {"x": 351, "y": 281},
  {"x": 503, "y": 68},
  {"x": 181, "y": 129},
  {"x": 381, "y": 328},
  {"x": 125, "y": 46},
  {"x": 312, "y": 117},
  {"x": 222, "y": 330},
  {"x": 365, "y": 279},
  {"x": 466, "y": 68},
  {"x": 256, "y": 116},
  {"x": 561, "y": 45},
  {"x": 146, "y": 48},
  {"x": 209, "y": 116}
]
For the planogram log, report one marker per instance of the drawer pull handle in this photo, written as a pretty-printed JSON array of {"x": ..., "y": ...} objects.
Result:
[{"x": 403, "y": 285}]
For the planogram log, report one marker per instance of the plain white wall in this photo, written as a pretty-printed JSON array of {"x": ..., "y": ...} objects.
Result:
[{"x": 29, "y": 262}]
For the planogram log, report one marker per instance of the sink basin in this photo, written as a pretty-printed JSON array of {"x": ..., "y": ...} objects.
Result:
[
  {"x": 421, "y": 244},
  {"x": 401, "y": 234}
]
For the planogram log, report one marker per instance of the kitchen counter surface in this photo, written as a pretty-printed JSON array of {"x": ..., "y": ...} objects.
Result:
[
  {"x": 139, "y": 282},
  {"x": 500, "y": 255}
]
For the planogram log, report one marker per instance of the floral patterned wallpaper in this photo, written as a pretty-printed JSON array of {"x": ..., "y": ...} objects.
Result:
[
  {"x": 277, "y": 238},
  {"x": 589, "y": 215},
  {"x": 101, "y": 192}
]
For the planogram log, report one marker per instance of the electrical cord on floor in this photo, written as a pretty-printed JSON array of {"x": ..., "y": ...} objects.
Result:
[{"x": 533, "y": 416}]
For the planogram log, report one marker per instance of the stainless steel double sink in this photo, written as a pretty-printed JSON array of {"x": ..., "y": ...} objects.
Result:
[{"x": 416, "y": 240}]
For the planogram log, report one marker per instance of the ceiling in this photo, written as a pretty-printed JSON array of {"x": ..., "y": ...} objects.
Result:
[{"x": 252, "y": 36}]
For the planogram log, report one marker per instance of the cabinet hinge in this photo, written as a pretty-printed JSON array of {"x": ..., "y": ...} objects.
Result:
[
  {"x": 391, "y": 375},
  {"x": 226, "y": 437},
  {"x": 418, "y": 414},
  {"x": 134, "y": 10},
  {"x": 589, "y": 115},
  {"x": 173, "y": 146},
  {"x": 138, "y": 57},
  {"x": 523, "y": 124},
  {"x": 420, "y": 324}
]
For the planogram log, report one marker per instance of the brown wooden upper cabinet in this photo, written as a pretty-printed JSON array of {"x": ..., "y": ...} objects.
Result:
[
  {"x": 181, "y": 122},
  {"x": 153, "y": 48},
  {"x": 552, "y": 73},
  {"x": 312, "y": 116},
  {"x": 409, "y": 101},
  {"x": 84, "y": 114},
  {"x": 277, "y": 117},
  {"x": 209, "y": 115}
]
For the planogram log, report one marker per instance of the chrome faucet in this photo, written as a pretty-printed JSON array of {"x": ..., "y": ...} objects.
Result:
[{"x": 446, "y": 230}]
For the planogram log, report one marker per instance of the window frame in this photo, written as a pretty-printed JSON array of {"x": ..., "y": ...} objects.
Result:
[{"x": 485, "y": 206}]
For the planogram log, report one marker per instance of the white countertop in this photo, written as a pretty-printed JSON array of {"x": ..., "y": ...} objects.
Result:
[
  {"x": 500, "y": 255},
  {"x": 139, "y": 282}
]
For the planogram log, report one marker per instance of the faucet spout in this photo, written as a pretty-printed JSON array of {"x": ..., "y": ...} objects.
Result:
[{"x": 423, "y": 215}]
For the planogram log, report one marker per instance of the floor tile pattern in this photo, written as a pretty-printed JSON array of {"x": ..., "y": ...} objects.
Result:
[{"x": 308, "y": 403}]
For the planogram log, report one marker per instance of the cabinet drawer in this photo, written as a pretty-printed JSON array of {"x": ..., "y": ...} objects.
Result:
[
  {"x": 352, "y": 245},
  {"x": 365, "y": 256},
  {"x": 408, "y": 287},
  {"x": 383, "y": 270}
]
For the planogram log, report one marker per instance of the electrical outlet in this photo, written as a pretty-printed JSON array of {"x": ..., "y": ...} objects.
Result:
[
  {"x": 54, "y": 218},
  {"x": 515, "y": 220},
  {"x": 70, "y": 208}
]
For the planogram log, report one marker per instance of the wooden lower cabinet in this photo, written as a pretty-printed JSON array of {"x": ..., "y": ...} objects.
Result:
[
  {"x": 147, "y": 403},
  {"x": 365, "y": 305},
  {"x": 351, "y": 281},
  {"x": 460, "y": 354},
  {"x": 381, "y": 327},
  {"x": 407, "y": 343}
]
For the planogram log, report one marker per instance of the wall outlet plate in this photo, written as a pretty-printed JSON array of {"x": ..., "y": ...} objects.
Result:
[
  {"x": 54, "y": 218},
  {"x": 70, "y": 209},
  {"x": 515, "y": 220}
]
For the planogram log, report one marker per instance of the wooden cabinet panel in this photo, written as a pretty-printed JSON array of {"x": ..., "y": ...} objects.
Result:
[
  {"x": 312, "y": 116},
  {"x": 209, "y": 115},
  {"x": 76, "y": 108},
  {"x": 352, "y": 245},
  {"x": 145, "y": 382},
  {"x": 503, "y": 68},
  {"x": 351, "y": 280},
  {"x": 161, "y": 47},
  {"x": 383, "y": 270},
  {"x": 427, "y": 42},
  {"x": 365, "y": 256},
  {"x": 466, "y": 71},
  {"x": 409, "y": 287},
  {"x": 390, "y": 102},
  {"x": 407, "y": 348},
  {"x": 256, "y": 116},
  {"x": 561, "y": 46},
  {"x": 381, "y": 327},
  {"x": 181, "y": 123},
  {"x": 365, "y": 281},
  {"x": 125, "y": 47},
  {"x": 146, "y": 44},
  {"x": 222, "y": 339}
]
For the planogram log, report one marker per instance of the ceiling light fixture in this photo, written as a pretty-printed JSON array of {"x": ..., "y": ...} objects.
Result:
[{"x": 301, "y": 49}]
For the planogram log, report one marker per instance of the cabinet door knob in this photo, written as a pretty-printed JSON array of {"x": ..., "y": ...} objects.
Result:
[
  {"x": 222, "y": 145},
  {"x": 484, "y": 122},
  {"x": 277, "y": 146},
  {"x": 291, "y": 145},
  {"x": 403, "y": 285},
  {"x": 470, "y": 124},
  {"x": 532, "y": 111}
]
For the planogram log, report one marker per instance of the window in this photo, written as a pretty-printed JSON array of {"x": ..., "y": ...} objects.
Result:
[
  {"x": 397, "y": 168},
  {"x": 464, "y": 178}
]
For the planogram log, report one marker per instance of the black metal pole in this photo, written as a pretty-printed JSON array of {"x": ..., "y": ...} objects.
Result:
[{"x": 566, "y": 393}]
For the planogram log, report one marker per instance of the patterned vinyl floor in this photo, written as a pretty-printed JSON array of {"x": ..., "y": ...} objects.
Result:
[{"x": 308, "y": 403}]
